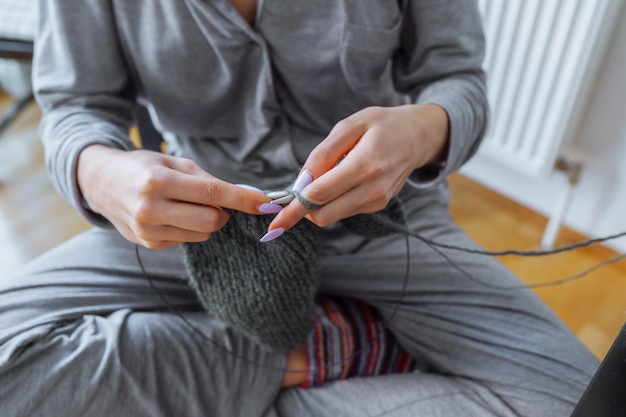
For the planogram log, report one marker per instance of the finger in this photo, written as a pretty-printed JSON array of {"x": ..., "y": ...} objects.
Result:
[
  {"x": 165, "y": 212},
  {"x": 338, "y": 209},
  {"x": 190, "y": 167},
  {"x": 358, "y": 167},
  {"x": 285, "y": 220},
  {"x": 154, "y": 236},
  {"x": 344, "y": 206},
  {"x": 312, "y": 193},
  {"x": 187, "y": 166},
  {"x": 349, "y": 174},
  {"x": 339, "y": 142},
  {"x": 133, "y": 238},
  {"x": 206, "y": 190},
  {"x": 192, "y": 217}
]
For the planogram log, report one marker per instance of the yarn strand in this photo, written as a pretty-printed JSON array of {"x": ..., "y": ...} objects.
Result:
[
  {"x": 507, "y": 252},
  {"x": 560, "y": 281},
  {"x": 438, "y": 248},
  {"x": 245, "y": 359}
]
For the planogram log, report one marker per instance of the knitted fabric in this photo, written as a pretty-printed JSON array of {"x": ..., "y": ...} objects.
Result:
[
  {"x": 267, "y": 290},
  {"x": 388, "y": 221}
]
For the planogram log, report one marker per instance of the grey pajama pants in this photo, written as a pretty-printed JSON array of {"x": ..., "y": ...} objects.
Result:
[{"x": 83, "y": 334}]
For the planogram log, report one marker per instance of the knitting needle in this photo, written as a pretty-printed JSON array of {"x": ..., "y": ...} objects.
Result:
[
  {"x": 277, "y": 194},
  {"x": 283, "y": 200}
]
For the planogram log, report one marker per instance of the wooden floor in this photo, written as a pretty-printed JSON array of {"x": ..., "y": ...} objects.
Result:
[
  {"x": 33, "y": 219},
  {"x": 593, "y": 306}
]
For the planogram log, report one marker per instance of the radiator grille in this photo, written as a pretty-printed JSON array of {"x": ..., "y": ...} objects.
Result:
[{"x": 539, "y": 55}]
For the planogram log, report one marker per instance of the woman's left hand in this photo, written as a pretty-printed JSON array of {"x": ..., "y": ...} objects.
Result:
[{"x": 379, "y": 147}]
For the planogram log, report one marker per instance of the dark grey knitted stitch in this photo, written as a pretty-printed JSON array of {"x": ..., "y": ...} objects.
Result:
[
  {"x": 267, "y": 290},
  {"x": 390, "y": 220}
]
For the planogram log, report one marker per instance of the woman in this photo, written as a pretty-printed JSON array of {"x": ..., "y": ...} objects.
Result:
[{"x": 362, "y": 102}]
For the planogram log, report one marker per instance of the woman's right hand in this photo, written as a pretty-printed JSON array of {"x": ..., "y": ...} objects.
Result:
[{"x": 158, "y": 200}]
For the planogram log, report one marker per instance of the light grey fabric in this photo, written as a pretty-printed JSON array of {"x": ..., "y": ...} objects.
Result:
[
  {"x": 249, "y": 105},
  {"x": 83, "y": 334}
]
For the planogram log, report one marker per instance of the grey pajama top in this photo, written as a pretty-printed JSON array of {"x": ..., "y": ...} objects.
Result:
[{"x": 250, "y": 104}]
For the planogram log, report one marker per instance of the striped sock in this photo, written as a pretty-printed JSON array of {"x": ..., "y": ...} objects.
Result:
[{"x": 349, "y": 339}]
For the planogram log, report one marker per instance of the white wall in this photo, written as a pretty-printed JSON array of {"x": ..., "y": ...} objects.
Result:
[{"x": 598, "y": 205}]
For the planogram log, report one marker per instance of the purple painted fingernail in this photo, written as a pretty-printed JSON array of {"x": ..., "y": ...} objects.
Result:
[
  {"x": 304, "y": 179},
  {"x": 269, "y": 208},
  {"x": 249, "y": 187},
  {"x": 269, "y": 236}
]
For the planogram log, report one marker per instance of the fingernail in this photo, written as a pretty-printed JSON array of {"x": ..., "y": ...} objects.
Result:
[
  {"x": 269, "y": 208},
  {"x": 269, "y": 236},
  {"x": 304, "y": 179},
  {"x": 249, "y": 187}
]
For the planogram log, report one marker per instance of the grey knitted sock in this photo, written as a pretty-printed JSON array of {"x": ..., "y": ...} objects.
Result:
[{"x": 265, "y": 290}]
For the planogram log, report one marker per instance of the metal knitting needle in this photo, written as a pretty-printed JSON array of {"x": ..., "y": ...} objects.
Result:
[
  {"x": 277, "y": 194},
  {"x": 283, "y": 200}
]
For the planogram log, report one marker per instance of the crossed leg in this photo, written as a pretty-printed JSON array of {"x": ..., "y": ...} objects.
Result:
[
  {"x": 484, "y": 351},
  {"x": 83, "y": 333}
]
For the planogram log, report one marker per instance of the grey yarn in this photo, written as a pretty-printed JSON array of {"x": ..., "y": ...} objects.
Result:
[
  {"x": 267, "y": 290},
  {"x": 306, "y": 203},
  {"x": 388, "y": 221}
]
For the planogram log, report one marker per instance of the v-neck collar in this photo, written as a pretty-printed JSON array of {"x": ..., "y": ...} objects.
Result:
[{"x": 229, "y": 12}]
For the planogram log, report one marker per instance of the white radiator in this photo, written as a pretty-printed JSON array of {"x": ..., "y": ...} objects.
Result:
[{"x": 541, "y": 57}]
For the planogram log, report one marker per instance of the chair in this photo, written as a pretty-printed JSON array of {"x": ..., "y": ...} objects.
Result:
[
  {"x": 17, "y": 31},
  {"x": 151, "y": 138},
  {"x": 605, "y": 395}
]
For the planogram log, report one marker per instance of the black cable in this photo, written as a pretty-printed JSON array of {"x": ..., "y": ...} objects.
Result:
[
  {"x": 551, "y": 283},
  {"x": 436, "y": 247},
  {"x": 516, "y": 252}
]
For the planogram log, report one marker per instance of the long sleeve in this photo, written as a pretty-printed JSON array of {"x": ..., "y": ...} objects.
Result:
[
  {"x": 440, "y": 62},
  {"x": 82, "y": 86}
]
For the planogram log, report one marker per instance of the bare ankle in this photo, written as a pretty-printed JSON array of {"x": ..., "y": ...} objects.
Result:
[{"x": 297, "y": 368}]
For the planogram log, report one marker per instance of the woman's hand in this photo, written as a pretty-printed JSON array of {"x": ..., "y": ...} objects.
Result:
[
  {"x": 157, "y": 200},
  {"x": 378, "y": 149}
]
